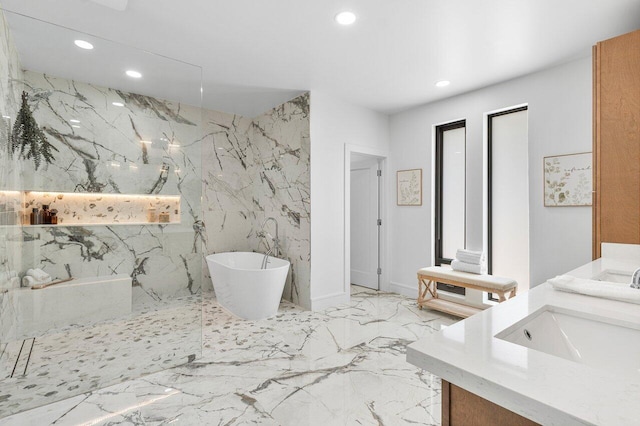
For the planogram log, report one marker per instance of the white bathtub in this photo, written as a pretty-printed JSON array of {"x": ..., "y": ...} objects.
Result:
[{"x": 243, "y": 288}]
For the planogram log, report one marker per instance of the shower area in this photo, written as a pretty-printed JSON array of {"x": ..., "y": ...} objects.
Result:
[{"x": 100, "y": 213}]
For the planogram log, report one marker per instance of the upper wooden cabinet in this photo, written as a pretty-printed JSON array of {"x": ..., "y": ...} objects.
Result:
[{"x": 616, "y": 141}]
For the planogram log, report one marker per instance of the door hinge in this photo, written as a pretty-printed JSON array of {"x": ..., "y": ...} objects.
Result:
[
  {"x": 378, "y": 172},
  {"x": 379, "y": 222},
  {"x": 379, "y": 271}
]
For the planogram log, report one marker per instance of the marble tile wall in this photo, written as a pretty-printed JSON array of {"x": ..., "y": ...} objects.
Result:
[
  {"x": 148, "y": 146},
  {"x": 254, "y": 169}
]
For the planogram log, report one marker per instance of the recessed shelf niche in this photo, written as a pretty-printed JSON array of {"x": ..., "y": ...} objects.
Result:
[{"x": 81, "y": 209}]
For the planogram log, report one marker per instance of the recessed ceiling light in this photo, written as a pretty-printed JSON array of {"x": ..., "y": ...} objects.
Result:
[
  {"x": 147, "y": 142},
  {"x": 443, "y": 83},
  {"x": 6, "y": 116},
  {"x": 345, "y": 18},
  {"x": 74, "y": 120},
  {"x": 118, "y": 104},
  {"x": 82, "y": 44},
  {"x": 133, "y": 74},
  {"x": 75, "y": 126}
]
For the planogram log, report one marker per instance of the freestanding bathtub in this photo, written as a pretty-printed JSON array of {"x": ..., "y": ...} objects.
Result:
[{"x": 243, "y": 288}]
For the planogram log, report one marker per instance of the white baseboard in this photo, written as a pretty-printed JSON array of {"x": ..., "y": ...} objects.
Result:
[
  {"x": 404, "y": 289},
  {"x": 329, "y": 301}
]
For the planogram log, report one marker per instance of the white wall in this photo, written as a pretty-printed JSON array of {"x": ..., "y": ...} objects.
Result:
[
  {"x": 559, "y": 102},
  {"x": 335, "y": 123}
]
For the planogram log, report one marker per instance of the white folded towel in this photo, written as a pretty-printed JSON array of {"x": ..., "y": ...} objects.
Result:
[
  {"x": 602, "y": 289},
  {"x": 469, "y": 256},
  {"x": 471, "y": 268},
  {"x": 39, "y": 275},
  {"x": 29, "y": 281}
]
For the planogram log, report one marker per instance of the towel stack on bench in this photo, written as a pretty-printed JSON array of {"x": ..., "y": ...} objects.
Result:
[
  {"x": 428, "y": 278},
  {"x": 469, "y": 261}
]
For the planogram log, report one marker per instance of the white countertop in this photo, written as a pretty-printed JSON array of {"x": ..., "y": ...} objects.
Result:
[{"x": 544, "y": 388}]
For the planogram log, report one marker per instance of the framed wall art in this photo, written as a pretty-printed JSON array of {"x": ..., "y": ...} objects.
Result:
[
  {"x": 409, "y": 184},
  {"x": 568, "y": 180}
]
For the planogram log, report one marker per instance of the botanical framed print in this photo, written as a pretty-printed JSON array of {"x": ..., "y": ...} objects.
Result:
[
  {"x": 568, "y": 180},
  {"x": 409, "y": 184}
]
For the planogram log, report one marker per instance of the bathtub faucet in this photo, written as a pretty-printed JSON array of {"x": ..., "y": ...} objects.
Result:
[{"x": 276, "y": 242}]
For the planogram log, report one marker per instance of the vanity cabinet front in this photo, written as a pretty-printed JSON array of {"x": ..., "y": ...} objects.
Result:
[{"x": 463, "y": 408}]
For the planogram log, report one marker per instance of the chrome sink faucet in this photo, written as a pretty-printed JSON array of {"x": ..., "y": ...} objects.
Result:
[
  {"x": 635, "y": 279},
  {"x": 275, "y": 249}
]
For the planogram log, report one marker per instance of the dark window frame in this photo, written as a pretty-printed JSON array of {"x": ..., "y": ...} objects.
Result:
[
  {"x": 490, "y": 118},
  {"x": 438, "y": 250}
]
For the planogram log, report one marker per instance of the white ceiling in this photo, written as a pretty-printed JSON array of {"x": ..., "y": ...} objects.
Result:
[{"x": 256, "y": 54}]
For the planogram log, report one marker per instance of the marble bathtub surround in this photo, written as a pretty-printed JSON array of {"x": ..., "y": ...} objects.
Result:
[
  {"x": 103, "y": 208},
  {"x": 344, "y": 365},
  {"x": 254, "y": 169}
]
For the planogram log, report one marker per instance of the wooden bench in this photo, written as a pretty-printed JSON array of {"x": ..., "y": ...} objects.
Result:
[{"x": 428, "y": 290}]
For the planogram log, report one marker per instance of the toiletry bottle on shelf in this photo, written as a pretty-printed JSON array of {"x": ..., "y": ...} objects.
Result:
[
  {"x": 34, "y": 219},
  {"x": 46, "y": 214},
  {"x": 54, "y": 217},
  {"x": 151, "y": 215}
]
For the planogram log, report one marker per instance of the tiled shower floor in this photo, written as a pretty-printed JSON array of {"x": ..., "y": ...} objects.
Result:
[
  {"x": 345, "y": 365},
  {"x": 85, "y": 358}
]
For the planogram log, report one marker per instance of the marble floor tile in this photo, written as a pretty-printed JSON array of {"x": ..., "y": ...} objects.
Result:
[
  {"x": 342, "y": 366},
  {"x": 82, "y": 359}
]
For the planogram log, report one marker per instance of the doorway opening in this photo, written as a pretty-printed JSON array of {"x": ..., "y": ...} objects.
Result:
[{"x": 364, "y": 219}]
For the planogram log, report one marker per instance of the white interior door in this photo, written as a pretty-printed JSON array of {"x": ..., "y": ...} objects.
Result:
[
  {"x": 364, "y": 227},
  {"x": 510, "y": 197}
]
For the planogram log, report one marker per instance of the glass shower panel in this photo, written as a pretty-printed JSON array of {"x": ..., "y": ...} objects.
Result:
[{"x": 124, "y": 255}]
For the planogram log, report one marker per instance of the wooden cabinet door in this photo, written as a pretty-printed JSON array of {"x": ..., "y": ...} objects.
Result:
[
  {"x": 463, "y": 408},
  {"x": 616, "y": 213}
]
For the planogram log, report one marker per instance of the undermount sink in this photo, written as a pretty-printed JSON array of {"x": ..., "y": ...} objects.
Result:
[
  {"x": 613, "y": 276},
  {"x": 600, "y": 342}
]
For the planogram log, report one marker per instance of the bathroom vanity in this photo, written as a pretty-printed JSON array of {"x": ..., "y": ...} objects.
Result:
[{"x": 545, "y": 357}]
